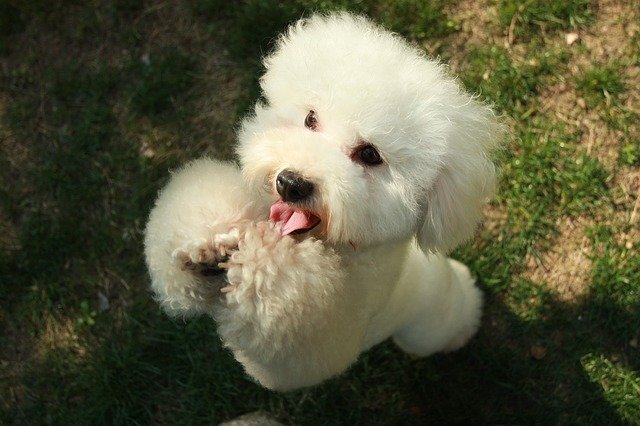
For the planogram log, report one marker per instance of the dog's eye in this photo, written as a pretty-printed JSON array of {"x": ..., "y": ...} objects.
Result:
[
  {"x": 368, "y": 154},
  {"x": 311, "y": 122}
]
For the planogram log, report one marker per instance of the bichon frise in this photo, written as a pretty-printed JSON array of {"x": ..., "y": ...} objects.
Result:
[{"x": 365, "y": 161}]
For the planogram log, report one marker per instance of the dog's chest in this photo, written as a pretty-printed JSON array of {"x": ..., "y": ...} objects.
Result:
[{"x": 373, "y": 272}]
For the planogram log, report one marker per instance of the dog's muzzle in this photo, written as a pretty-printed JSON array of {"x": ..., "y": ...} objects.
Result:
[{"x": 293, "y": 187}]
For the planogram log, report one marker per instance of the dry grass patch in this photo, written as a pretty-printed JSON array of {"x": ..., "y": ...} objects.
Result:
[
  {"x": 599, "y": 140},
  {"x": 626, "y": 196},
  {"x": 609, "y": 40},
  {"x": 611, "y": 35},
  {"x": 477, "y": 23},
  {"x": 495, "y": 218},
  {"x": 59, "y": 334},
  {"x": 566, "y": 267},
  {"x": 562, "y": 103}
]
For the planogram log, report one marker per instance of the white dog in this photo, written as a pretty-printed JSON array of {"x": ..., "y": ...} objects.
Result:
[{"x": 364, "y": 163}]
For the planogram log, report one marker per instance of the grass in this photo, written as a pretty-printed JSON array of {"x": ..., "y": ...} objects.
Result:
[
  {"x": 99, "y": 100},
  {"x": 528, "y": 16},
  {"x": 619, "y": 384},
  {"x": 599, "y": 83},
  {"x": 159, "y": 82}
]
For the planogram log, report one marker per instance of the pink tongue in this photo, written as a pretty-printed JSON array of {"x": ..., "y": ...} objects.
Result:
[{"x": 290, "y": 218}]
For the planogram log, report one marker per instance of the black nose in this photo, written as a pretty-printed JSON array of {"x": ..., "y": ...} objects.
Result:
[{"x": 293, "y": 187}]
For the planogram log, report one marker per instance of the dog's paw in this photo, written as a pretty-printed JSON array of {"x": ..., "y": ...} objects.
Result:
[{"x": 207, "y": 257}]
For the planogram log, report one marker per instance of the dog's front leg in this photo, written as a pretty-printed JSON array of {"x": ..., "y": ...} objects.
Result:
[
  {"x": 206, "y": 258},
  {"x": 286, "y": 313},
  {"x": 194, "y": 226}
]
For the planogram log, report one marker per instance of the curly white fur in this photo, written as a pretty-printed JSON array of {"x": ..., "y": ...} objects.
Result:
[{"x": 296, "y": 310}]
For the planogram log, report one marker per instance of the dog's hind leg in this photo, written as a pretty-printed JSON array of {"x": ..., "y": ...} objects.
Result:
[
  {"x": 469, "y": 310},
  {"x": 445, "y": 307}
]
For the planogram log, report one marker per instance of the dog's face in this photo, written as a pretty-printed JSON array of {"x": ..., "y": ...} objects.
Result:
[{"x": 364, "y": 141}]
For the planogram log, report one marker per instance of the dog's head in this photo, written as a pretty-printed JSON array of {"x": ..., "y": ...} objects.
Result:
[{"x": 365, "y": 140}]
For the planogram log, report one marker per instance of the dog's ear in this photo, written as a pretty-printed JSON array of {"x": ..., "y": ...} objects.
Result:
[{"x": 452, "y": 206}]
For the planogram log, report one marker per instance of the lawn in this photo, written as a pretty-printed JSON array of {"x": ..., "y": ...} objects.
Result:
[{"x": 100, "y": 99}]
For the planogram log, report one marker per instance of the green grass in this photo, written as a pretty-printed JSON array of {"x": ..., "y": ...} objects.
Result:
[
  {"x": 630, "y": 153},
  {"x": 530, "y": 16},
  {"x": 159, "y": 82},
  {"x": 621, "y": 385},
  {"x": 512, "y": 85},
  {"x": 603, "y": 87},
  {"x": 599, "y": 83},
  {"x": 99, "y": 100}
]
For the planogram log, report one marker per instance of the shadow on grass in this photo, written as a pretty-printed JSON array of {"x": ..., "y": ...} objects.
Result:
[{"x": 153, "y": 370}]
